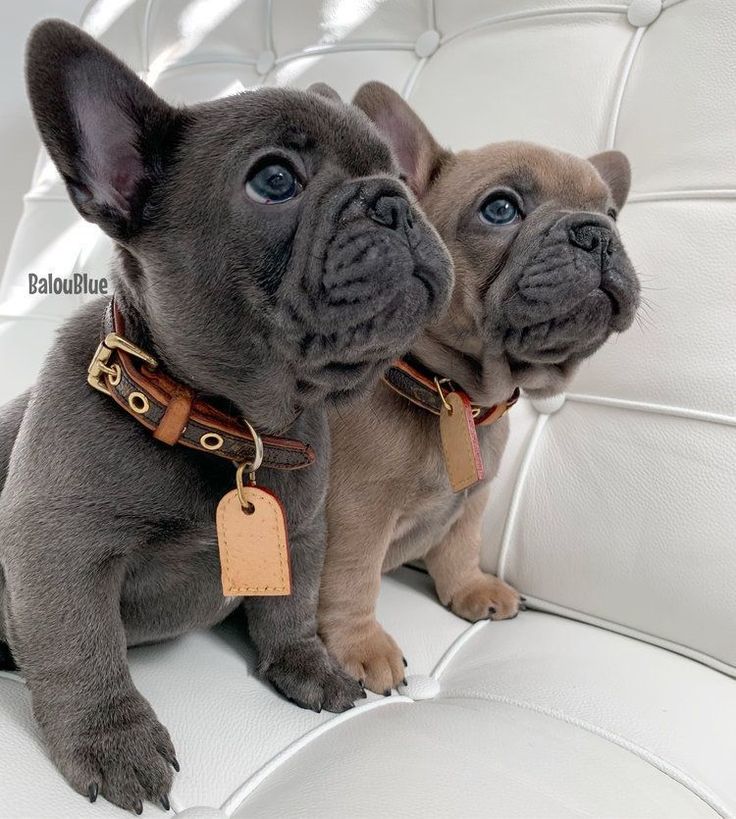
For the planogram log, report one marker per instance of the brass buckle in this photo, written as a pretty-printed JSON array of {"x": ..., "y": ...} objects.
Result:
[{"x": 99, "y": 367}]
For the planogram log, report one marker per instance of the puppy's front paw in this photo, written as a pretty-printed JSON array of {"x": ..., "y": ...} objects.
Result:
[
  {"x": 124, "y": 754},
  {"x": 486, "y": 597},
  {"x": 370, "y": 655},
  {"x": 306, "y": 674}
]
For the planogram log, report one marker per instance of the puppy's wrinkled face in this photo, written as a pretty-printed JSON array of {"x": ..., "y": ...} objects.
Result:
[
  {"x": 542, "y": 273},
  {"x": 286, "y": 215},
  {"x": 542, "y": 278},
  {"x": 267, "y": 244}
]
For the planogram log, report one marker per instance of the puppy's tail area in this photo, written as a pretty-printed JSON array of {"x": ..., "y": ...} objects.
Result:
[{"x": 11, "y": 415}]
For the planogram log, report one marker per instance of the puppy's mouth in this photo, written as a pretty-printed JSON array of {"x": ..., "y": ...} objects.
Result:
[
  {"x": 575, "y": 334},
  {"x": 568, "y": 293},
  {"x": 380, "y": 274},
  {"x": 340, "y": 364}
]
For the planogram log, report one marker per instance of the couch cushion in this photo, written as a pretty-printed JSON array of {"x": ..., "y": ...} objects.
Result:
[{"x": 535, "y": 716}]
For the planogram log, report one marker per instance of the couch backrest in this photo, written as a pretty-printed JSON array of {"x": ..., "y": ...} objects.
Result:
[{"x": 617, "y": 503}]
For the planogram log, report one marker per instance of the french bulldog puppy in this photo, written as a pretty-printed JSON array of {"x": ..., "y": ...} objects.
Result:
[
  {"x": 542, "y": 280},
  {"x": 271, "y": 260}
]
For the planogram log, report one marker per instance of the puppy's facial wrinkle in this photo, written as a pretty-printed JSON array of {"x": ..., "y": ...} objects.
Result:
[{"x": 570, "y": 290}]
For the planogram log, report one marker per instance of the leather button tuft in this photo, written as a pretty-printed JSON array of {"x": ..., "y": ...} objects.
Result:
[
  {"x": 420, "y": 687},
  {"x": 427, "y": 43},
  {"x": 644, "y": 12},
  {"x": 549, "y": 406}
]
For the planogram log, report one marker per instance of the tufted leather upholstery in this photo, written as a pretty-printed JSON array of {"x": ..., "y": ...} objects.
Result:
[{"x": 614, "y": 506}]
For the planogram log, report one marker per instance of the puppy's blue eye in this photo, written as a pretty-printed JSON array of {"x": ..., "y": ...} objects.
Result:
[
  {"x": 272, "y": 183},
  {"x": 498, "y": 210}
]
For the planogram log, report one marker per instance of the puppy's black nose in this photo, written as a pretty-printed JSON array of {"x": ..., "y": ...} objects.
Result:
[
  {"x": 589, "y": 236},
  {"x": 391, "y": 211}
]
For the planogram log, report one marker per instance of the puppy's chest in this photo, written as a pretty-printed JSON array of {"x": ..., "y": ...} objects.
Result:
[{"x": 430, "y": 511}]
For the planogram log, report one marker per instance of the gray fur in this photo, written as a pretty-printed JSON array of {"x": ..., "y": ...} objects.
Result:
[{"x": 107, "y": 537}]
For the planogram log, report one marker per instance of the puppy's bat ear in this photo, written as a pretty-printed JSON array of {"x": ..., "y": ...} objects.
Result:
[
  {"x": 415, "y": 149},
  {"x": 324, "y": 90},
  {"x": 615, "y": 170},
  {"x": 104, "y": 129}
]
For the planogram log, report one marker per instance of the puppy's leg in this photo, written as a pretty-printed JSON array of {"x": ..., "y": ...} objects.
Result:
[
  {"x": 351, "y": 582},
  {"x": 455, "y": 568},
  {"x": 292, "y": 657},
  {"x": 11, "y": 415},
  {"x": 7, "y": 663},
  {"x": 64, "y": 626}
]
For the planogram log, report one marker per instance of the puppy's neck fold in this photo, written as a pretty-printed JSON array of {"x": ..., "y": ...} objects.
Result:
[
  {"x": 271, "y": 412},
  {"x": 486, "y": 380}
]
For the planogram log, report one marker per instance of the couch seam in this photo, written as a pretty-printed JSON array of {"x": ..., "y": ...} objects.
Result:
[
  {"x": 631, "y": 633},
  {"x": 651, "y": 407},
  {"x": 531, "y": 14},
  {"x": 254, "y": 781},
  {"x": 654, "y": 760},
  {"x": 618, "y": 99},
  {"x": 452, "y": 650}
]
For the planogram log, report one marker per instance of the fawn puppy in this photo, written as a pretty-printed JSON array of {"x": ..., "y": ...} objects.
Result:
[{"x": 542, "y": 280}]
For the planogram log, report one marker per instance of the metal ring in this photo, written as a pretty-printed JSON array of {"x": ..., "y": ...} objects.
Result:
[
  {"x": 211, "y": 441},
  {"x": 248, "y": 507},
  {"x": 117, "y": 374},
  {"x": 138, "y": 403},
  {"x": 258, "y": 459},
  {"x": 447, "y": 405}
]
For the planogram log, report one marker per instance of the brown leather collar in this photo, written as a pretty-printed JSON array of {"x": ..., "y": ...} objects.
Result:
[
  {"x": 425, "y": 390},
  {"x": 172, "y": 411}
]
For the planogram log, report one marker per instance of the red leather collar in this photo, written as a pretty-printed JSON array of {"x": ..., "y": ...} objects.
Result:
[
  {"x": 172, "y": 411},
  {"x": 426, "y": 391}
]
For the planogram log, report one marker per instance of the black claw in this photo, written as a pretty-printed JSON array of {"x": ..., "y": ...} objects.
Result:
[
  {"x": 165, "y": 802},
  {"x": 361, "y": 683},
  {"x": 363, "y": 695},
  {"x": 523, "y": 599},
  {"x": 403, "y": 660},
  {"x": 387, "y": 692},
  {"x": 403, "y": 682},
  {"x": 92, "y": 791},
  {"x": 318, "y": 709},
  {"x": 138, "y": 807},
  {"x": 175, "y": 764},
  {"x": 491, "y": 609}
]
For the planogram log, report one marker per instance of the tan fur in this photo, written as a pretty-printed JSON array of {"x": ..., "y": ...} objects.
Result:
[{"x": 389, "y": 499}]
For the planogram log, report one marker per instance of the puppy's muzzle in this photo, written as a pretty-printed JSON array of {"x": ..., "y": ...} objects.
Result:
[
  {"x": 571, "y": 285},
  {"x": 375, "y": 273},
  {"x": 377, "y": 255}
]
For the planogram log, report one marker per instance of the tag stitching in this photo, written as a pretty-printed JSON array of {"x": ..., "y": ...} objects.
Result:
[
  {"x": 275, "y": 530},
  {"x": 470, "y": 473}
]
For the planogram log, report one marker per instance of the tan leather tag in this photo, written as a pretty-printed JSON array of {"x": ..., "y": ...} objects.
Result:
[
  {"x": 460, "y": 446},
  {"x": 254, "y": 551}
]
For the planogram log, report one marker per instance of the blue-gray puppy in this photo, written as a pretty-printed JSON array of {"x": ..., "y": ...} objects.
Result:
[{"x": 271, "y": 261}]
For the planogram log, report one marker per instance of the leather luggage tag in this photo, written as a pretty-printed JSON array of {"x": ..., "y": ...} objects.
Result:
[
  {"x": 460, "y": 446},
  {"x": 254, "y": 550}
]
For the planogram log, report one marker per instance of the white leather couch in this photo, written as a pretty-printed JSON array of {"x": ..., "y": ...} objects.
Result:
[{"x": 615, "y": 511}]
